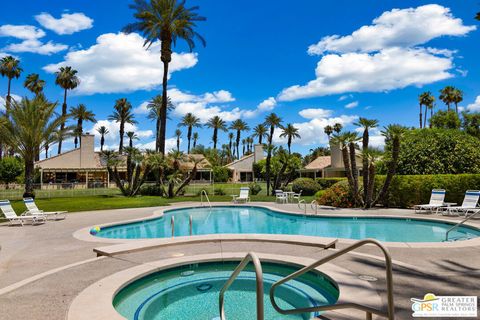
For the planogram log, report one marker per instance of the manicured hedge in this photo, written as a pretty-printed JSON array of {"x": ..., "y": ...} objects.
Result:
[
  {"x": 150, "y": 190},
  {"x": 328, "y": 182},
  {"x": 337, "y": 195},
  {"x": 308, "y": 186},
  {"x": 221, "y": 174}
]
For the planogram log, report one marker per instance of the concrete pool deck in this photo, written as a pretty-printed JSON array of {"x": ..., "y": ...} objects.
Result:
[{"x": 34, "y": 283}]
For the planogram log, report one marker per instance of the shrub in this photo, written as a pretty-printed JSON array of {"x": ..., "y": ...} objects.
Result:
[
  {"x": 328, "y": 182},
  {"x": 219, "y": 192},
  {"x": 308, "y": 186},
  {"x": 255, "y": 188},
  {"x": 151, "y": 190},
  {"x": 220, "y": 174},
  {"x": 10, "y": 169},
  {"x": 338, "y": 195}
]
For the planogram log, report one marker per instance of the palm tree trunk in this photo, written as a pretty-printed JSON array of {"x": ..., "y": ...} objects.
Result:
[
  {"x": 431, "y": 116},
  {"x": 269, "y": 157},
  {"x": 178, "y": 144},
  {"x": 425, "y": 117},
  {"x": 392, "y": 167},
  {"x": 102, "y": 142},
  {"x": 346, "y": 164},
  {"x": 157, "y": 135},
  {"x": 9, "y": 98},
  {"x": 166, "y": 57},
  {"x": 80, "y": 130},
  {"x": 371, "y": 186},
  {"x": 289, "y": 144},
  {"x": 353, "y": 163},
  {"x": 238, "y": 143},
  {"x": 46, "y": 151},
  {"x": 456, "y": 107},
  {"x": 62, "y": 126},
  {"x": 214, "y": 138},
  {"x": 189, "y": 137},
  {"x": 365, "y": 140},
  {"x": 29, "y": 171},
  {"x": 122, "y": 128},
  {"x": 260, "y": 139},
  {"x": 420, "y": 118}
]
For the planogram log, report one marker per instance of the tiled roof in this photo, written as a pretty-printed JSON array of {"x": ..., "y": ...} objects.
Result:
[{"x": 319, "y": 163}]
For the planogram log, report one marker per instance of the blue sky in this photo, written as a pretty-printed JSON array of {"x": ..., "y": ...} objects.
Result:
[{"x": 313, "y": 63}]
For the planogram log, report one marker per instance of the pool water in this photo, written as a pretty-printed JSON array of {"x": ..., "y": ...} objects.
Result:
[
  {"x": 243, "y": 219},
  {"x": 192, "y": 292}
]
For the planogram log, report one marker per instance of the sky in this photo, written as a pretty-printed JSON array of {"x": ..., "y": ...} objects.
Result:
[{"x": 313, "y": 63}]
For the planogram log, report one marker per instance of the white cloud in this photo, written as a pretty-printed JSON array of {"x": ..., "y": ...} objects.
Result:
[
  {"x": 112, "y": 138},
  {"x": 204, "y": 111},
  {"x": 267, "y": 104},
  {"x": 388, "y": 69},
  {"x": 69, "y": 22},
  {"x": 24, "y": 32},
  {"x": 397, "y": 28},
  {"x": 3, "y": 100},
  {"x": 475, "y": 107},
  {"x": 315, "y": 113},
  {"x": 142, "y": 108},
  {"x": 170, "y": 144},
  {"x": 36, "y": 46},
  {"x": 345, "y": 97},
  {"x": 119, "y": 63},
  {"x": 352, "y": 105}
]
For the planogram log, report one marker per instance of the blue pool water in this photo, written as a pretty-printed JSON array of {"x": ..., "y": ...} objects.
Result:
[
  {"x": 191, "y": 292},
  {"x": 245, "y": 219}
]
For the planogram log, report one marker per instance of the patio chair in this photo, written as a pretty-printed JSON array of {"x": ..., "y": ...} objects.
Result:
[
  {"x": 244, "y": 195},
  {"x": 436, "y": 201},
  {"x": 10, "y": 214},
  {"x": 296, "y": 196},
  {"x": 469, "y": 204},
  {"x": 32, "y": 209},
  {"x": 280, "y": 196}
]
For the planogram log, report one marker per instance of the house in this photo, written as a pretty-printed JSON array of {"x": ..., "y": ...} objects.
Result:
[
  {"x": 204, "y": 167},
  {"x": 316, "y": 168},
  {"x": 242, "y": 169}
]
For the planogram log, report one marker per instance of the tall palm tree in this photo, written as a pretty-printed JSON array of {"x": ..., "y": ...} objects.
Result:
[
  {"x": 366, "y": 124},
  {"x": 250, "y": 144},
  {"x": 457, "y": 97},
  {"x": 189, "y": 121},
  {"x": 230, "y": 141},
  {"x": 216, "y": 123},
  {"x": 178, "y": 135},
  {"x": 165, "y": 21},
  {"x": 67, "y": 79},
  {"x": 290, "y": 132},
  {"x": 260, "y": 132},
  {"x": 337, "y": 127},
  {"x": 195, "y": 139},
  {"x": 31, "y": 122},
  {"x": 103, "y": 131},
  {"x": 122, "y": 114},
  {"x": 425, "y": 99},
  {"x": 154, "y": 107},
  {"x": 10, "y": 68},
  {"x": 244, "y": 143},
  {"x": 239, "y": 125},
  {"x": 81, "y": 114},
  {"x": 131, "y": 136},
  {"x": 271, "y": 121},
  {"x": 34, "y": 83},
  {"x": 343, "y": 140},
  {"x": 446, "y": 95},
  {"x": 76, "y": 134},
  {"x": 328, "y": 131}
]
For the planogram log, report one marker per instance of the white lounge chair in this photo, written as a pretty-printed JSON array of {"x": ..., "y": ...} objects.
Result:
[
  {"x": 469, "y": 204},
  {"x": 244, "y": 195},
  {"x": 280, "y": 196},
  {"x": 10, "y": 214},
  {"x": 32, "y": 209},
  {"x": 437, "y": 200},
  {"x": 296, "y": 196}
]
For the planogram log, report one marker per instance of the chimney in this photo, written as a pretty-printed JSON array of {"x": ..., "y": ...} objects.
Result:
[
  {"x": 258, "y": 153},
  {"x": 336, "y": 155},
  {"x": 87, "y": 151}
]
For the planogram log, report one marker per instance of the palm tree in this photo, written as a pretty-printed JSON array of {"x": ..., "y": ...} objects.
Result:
[
  {"x": 337, "y": 127},
  {"x": 216, "y": 123},
  {"x": 31, "y": 122},
  {"x": 477, "y": 16},
  {"x": 239, "y": 125},
  {"x": 154, "y": 107},
  {"x": 366, "y": 124},
  {"x": 425, "y": 99},
  {"x": 190, "y": 121},
  {"x": 271, "y": 121},
  {"x": 165, "y": 21},
  {"x": 178, "y": 135},
  {"x": 342, "y": 140},
  {"x": 76, "y": 134},
  {"x": 10, "y": 68},
  {"x": 34, "y": 83},
  {"x": 230, "y": 140},
  {"x": 131, "y": 136},
  {"x": 103, "y": 131},
  {"x": 328, "y": 131},
  {"x": 446, "y": 95},
  {"x": 250, "y": 144},
  {"x": 260, "y": 132},
  {"x": 290, "y": 132},
  {"x": 81, "y": 114},
  {"x": 67, "y": 79},
  {"x": 457, "y": 97},
  {"x": 122, "y": 115},
  {"x": 195, "y": 139},
  {"x": 244, "y": 142}
]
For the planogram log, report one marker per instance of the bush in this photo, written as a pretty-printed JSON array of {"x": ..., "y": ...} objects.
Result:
[
  {"x": 10, "y": 169},
  {"x": 219, "y": 192},
  {"x": 220, "y": 174},
  {"x": 308, "y": 186},
  {"x": 338, "y": 195},
  {"x": 328, "y": 182},
  {"x": 151, "y": 190},
  {"x": 255, "y": 188}
]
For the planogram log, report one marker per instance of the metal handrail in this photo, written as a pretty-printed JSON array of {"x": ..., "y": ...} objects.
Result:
[
  {"x": 304, "y": 205},
  {"x": 206, "y": 196},
  {"x": 251, "y": 256},
  {"x": 369, "y": 310},
  {"x": 314, "y": 203},
  {"x": 190, "y": 222},
  {"x": 460, "y": 223},
  {"x": 172, "y": 223}
]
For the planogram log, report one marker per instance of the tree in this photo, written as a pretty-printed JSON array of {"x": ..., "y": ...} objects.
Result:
[
  {"x": 477, "y": 16},
  {"x": 103, "y": 131},
  {"x": 271, "y": 121},
  {"x": 446, "y": 95},
  {"x": 32, "y": 121},
  {"x": 34, "y": 83},
  {"x": 178, "y": 135},
  {"x": 10, "y": 170},
  {"x": 425, "y": 99},
  {"x": 165, "y": 21},
  {"x": 122, "y": 114},
  {"x": 260, "y": 132},
  {"x": 81, "y": 114},
  {"x": 290, "y": 132},
  {"x": 471, "y": 123},
  {"x": 154, "y": 107},
  {"x": 343, "y": 140},
  {"x": 239, "y": 125},
  {"x": 366, "y": 124},
  {"x": 10, "y": 68},
  {"x": 67, "y": 79},
  {"x": 189, "y": 121},
  {"x": 457, "y": 97},
  {"x": 328, "y": 131},
  {"x": 337, "y": 127},
  {"x": 131, "y": 136},
  {"x": 195, "y": 139},
  {"x": 216, "y": 123},
  {"x": 445, "y": 120}
]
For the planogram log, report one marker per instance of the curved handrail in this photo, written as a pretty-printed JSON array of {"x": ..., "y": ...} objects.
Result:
[
  {"x": 388, "y": 266},
  {"x": 172, "y": 223},
  {"x": 304, "y": 205},
  {"x": 314, "y": 206},
  {"x": 204, "y": 192},
  {"x": 460, "y": 223},
  {"x": 190, "y": 223},
  {"x": 251, "y": 256}
]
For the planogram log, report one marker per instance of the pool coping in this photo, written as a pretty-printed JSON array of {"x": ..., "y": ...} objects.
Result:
[
  {"x": 96, "y": 301},
  {"x": 84, "y": 233}
]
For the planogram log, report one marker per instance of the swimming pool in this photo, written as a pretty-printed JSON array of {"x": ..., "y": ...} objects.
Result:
[
  {"x": 259, "y": 220},
  {"x": 192, "y": 291}
]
